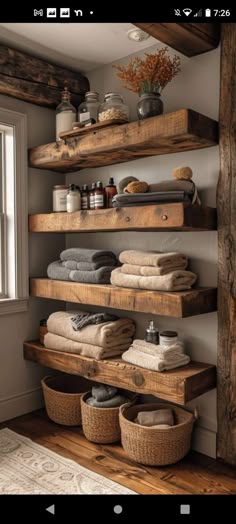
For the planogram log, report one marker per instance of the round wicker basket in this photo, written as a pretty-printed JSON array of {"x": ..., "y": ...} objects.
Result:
[
  {"x": 101, "y": 425},
  {"x": 62, "y": 395},
  {"x": 151, "y": 446}
]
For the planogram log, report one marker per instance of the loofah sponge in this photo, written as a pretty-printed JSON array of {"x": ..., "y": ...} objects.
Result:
[
  {"x": 182, "y": 173},
  {"x": 124, "y": 182},
  {"x": 136, "y": 187}
]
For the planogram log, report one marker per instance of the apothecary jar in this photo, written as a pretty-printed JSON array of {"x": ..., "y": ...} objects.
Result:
[{"x": 113, "y": 108}]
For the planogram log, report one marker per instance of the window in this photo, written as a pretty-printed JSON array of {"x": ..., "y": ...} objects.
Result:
[{"x": 13, "y": 212}]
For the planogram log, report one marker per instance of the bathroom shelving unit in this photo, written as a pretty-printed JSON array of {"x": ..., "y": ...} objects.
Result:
[{"x": 183, "y": 130}]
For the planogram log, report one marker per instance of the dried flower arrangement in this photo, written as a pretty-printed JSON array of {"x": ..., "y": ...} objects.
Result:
[{"x": 150, "y": 74}]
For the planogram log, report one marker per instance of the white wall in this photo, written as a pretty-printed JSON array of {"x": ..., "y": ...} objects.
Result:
[
  {"x": 197, "y": 87},
  {"x": 19, "y": 379}
]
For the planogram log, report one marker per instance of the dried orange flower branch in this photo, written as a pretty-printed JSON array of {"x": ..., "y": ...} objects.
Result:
[{"x": 150, "y": 74}]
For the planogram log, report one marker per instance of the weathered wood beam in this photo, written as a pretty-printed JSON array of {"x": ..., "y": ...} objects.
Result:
[
  {"x": 156, "y": 217},
  {"x": 34, "y": 80},
  {"x": 181, "y": 130},
  {"x": 189, "y": 39},
  {"x": 178, "y": 385},
  {"x": 172, "y": 304},
  {"x": 226, "y": 203}
]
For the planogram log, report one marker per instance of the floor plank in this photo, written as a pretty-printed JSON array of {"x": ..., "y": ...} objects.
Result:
[{"x": 196, "y": 474}]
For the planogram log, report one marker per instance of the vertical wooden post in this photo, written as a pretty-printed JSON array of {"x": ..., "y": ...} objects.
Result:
[{"x": 226, "y": 203}]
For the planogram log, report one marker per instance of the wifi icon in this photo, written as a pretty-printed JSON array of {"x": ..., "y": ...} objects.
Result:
[{"x": 187, "y": 11}]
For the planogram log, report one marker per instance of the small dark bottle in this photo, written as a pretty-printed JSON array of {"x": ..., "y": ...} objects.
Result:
[
  {"x": 85, "y": 197},
  {"x": 110, "y": 192},
  {"x": 99, "y": 196},
  {"x": 152, "y": 334},
  {"x": 91, "y": 196}
]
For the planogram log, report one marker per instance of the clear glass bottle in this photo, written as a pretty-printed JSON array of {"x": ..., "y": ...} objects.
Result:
[
  {"x": 88, "y": 110},
  {"x": 113, "y": 108},
  {"x": 73, "y": 199},
  {"x": 65, "y": 114}
]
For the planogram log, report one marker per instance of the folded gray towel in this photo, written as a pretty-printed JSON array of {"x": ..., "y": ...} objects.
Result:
[
  {"x": 101, "y": 392},
  {"x": 99, "y": 276},
  {"x": 90, "y": 266},
  {"x": 85, "y": 319},
  {"x": 114, "y": 402},
  {"x": 57, "y": 271},
  {"x": 86, "y": 255},
  {"x": 127, "y": 199}
]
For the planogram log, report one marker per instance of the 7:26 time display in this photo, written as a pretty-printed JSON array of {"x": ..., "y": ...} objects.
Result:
[{"x": 221, "y": 12}]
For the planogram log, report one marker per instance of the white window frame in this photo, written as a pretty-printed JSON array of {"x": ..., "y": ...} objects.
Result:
[{"x": 14, "y": 221}]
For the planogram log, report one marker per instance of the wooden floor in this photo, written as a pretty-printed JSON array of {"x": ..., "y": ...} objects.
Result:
[{"x": 196, "y": 474}]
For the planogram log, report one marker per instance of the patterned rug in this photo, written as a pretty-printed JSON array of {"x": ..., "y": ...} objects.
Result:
[{"x": 27, "y": 468}]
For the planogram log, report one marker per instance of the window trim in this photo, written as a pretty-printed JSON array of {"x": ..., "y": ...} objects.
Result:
[{"x": 20, "y": 303}]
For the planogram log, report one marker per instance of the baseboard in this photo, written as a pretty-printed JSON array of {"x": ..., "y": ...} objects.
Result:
[
  {"x": 204, "y": 441},
  {"x": 20, "y": 404}
]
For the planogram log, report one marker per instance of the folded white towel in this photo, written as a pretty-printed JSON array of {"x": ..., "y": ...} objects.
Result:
[
  {"x": 156, "y": 350},
  {"x": 152, "y": 362}
]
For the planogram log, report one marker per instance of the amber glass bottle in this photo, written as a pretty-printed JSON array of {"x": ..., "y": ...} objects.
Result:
[
  {"x": 99, "y": 196},
  {"x": 85, "y": 197},
  {"x": 91, "y": 196},
  {"x": 110, "y": 191}
]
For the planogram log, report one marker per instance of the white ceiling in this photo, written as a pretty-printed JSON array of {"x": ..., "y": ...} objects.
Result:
[{"x": 81, "y": 46}]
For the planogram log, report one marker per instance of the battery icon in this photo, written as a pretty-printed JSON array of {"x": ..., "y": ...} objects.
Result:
[{"x": 208, "y": 12}]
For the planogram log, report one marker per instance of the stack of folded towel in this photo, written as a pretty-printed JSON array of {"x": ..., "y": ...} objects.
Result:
[
  {"x": 106, "y": 397},
  {"x": 99, "y": 340},
  {"x": 92, "y": 266},
  {"x": 153, "y": 270},
  {"x": 159, "y": 419},
  {"x": 156, "y": 358}
]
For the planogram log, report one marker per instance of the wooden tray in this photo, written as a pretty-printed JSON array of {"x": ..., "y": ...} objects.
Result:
[{"x": 89, "y": 129}]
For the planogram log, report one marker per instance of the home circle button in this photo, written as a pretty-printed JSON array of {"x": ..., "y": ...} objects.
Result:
[{"x": 118, "y": 509}]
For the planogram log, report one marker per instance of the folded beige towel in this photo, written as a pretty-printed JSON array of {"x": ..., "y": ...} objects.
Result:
[
  {"x": 59, "y": 343},
  {"x": 175, "y": 281},
  {"x": 154, "y": 259},
  {"x": 107, "y": 335},
  {"x": 156, "y": 350},
  {"x": 150, "y": 271},
  {"x": 152, "y": 418},
  {"x": 153, "y": 363}
]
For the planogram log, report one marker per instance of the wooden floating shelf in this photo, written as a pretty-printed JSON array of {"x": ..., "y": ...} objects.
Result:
[
  {"x": 183, "y": 130},
  {"x": 180, "y": 217},
  {"x": 190, "y": 39},
  {"x": 179, "y": 385},
  {"x": 179, "y": 304}
]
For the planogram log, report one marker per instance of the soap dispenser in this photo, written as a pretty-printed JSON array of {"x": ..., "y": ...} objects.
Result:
[{"x": 151, "y": 334}]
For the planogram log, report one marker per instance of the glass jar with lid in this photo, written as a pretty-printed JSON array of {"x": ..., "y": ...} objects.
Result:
[
  {"x": 88, "y": 110},
  {"x": 113, "y": 108},
  {"x": 65, "y": 114}
]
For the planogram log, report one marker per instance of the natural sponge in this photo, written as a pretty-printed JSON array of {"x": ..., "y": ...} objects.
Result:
[
  {"x": 136, "y": 187},
  {"x": 124, "y": 182},
  {"x": 182, "y": 173}
]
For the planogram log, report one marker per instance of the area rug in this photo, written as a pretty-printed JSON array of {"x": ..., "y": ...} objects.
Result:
[{"x": 30, "y": 469}]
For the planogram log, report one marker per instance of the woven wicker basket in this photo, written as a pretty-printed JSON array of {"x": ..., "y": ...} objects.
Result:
[
  {"x": 101, "y": 425},
  {"x": 155, "y": 447},
  {"x": 62, "y": 395}
]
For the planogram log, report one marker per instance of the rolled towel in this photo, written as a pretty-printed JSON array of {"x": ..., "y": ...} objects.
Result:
[
  {"x": 56, "y": 271},
  {"x": 153, "y": 258},
  {"x": 114, "y": 402},
  {"x": 152, "y": 418},
  {"x": 99, "y": 276},
  {"x": 152, "y": 362},
  {"x": 175, "y": 281},
  {"x": 59, "y": 343},
  {"x": 149, "y": 271},
  {"x": 108, "y": 335},
  {"x": 90, "y": 266},
  {"x": 102, "y": 392},
  {"x": 86, "y": 255}
]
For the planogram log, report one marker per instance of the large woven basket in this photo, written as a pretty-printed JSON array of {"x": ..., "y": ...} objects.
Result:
[
  {"x": 101, "y": 425},
  {"x": 155, "y": 447},
  {"x": 62, "y": 395}
]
